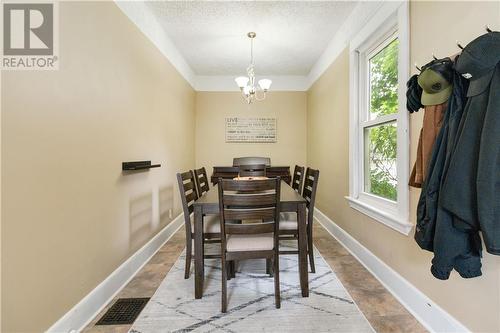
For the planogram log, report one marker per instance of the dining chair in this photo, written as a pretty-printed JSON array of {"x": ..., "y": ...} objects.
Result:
[
  {"x": 298, "y": 178},
  {"x": 288, "y": 221},
  {"x": 237, "y": 161},
  {"x": 254, "y": 170},
  {"x": 249, "y": 200},
  {"x": 211, "y": 223},
  {"x": 201, "y": 181}
]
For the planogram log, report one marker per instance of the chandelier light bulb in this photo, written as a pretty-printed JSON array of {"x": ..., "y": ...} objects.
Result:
[
  {"x": 246, "y": 90},
  {"x": 265, "y": 84},
  {"x": 242, "y": 81}
]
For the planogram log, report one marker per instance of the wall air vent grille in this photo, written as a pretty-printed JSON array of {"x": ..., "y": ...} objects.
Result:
[{"x": 124, "y": 311}]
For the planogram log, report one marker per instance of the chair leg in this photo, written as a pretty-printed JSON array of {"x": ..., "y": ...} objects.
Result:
[
  {"x": 269, "y": 267},
  {"x": 233, "y": 268},
  {"x": 203, "y": 255},
  {"x": 276, "y": 270},
  {"x": 189, "y": 255},
  {"x": 224, "y": 285},
  {"x": 229, "y": 274},
  {"x": 230, "y": 270},
  {"x": 310, "y": 248}
]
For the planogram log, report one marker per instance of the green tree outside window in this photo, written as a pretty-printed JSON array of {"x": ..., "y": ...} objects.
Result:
[{"x": 381, "y": 140}]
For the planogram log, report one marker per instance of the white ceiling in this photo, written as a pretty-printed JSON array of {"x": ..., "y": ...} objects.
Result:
[
  {"x": 206, "y": 40},
  {"x": 211, "y": 36}
]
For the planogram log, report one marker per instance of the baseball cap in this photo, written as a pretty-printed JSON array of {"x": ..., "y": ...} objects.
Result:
[
  {"x": 478, "y": 60},
  {"x": 436, "y": 89}
]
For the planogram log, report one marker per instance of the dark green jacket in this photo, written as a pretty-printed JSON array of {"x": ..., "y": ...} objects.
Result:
[{"x": 471, "y": 186}]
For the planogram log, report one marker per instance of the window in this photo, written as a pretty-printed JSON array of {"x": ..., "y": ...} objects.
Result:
[
  {"x": 380, "y": 124},
  {"x": 378, "y": 118}
]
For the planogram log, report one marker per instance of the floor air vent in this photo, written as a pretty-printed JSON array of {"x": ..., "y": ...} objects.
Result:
[{"x": 124, "y": 311}]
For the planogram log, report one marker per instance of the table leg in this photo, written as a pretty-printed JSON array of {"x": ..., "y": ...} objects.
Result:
[
  {"x": 198, "y": 252},
  {"x": 303, "y": 272}
]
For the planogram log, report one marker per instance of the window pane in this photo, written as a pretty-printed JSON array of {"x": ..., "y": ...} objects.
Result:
[
  {"x": 384, "y": 81},
  {"x": 380, "y": 160}
]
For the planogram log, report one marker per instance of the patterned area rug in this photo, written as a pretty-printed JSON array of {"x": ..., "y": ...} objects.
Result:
[{"x": 329, "y": 308}]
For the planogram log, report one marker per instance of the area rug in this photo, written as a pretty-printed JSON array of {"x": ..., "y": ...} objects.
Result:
[{"x": 329, "y": 308}]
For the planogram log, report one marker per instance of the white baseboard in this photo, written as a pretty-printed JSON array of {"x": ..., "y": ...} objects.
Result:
[
  {"x": 82, "y": 313},
  {"x": 428, "y": 313}
]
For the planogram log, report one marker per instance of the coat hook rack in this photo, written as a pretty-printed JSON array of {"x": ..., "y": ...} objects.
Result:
[
  {"x": 459, "y": 45},
  {"x": 416, "y": 66},
  {"x": 488, "y": 29}
]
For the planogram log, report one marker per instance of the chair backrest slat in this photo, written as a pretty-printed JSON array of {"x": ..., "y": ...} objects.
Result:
[
  {"x": 191, "y": 197},
  {"x": 201, "y": 181},
  {"x": 189, "y": 186},
  {"x": 186, "y": 175},
  {"x": 187, "y": 189},
  {"x": 249, "y": 200},
  {"x": 251, "y": 228},
  {"x": 298, "y": 178},
  {"x": 249, "y": 214},
  {"x": 256, "y": 170},
  {"x": 249, "y": 186}
]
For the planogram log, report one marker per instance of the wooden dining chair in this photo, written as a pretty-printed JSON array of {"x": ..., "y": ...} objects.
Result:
[
  {"x": 211, "y": 223},
  {"x": 201, "y": 181},
  {"x": 255, "y": 170},
  {"x": 298, "y": 178},
  {"x": 249, "y": 200},
  {"x": 289, "y": 228}
]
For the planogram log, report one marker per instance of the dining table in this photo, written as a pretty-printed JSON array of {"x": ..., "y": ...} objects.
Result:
[{"x": 208, "y": 204}]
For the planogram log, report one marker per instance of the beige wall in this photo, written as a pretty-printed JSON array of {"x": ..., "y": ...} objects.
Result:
[
  {"x": 0, "y": 204},
  {"x": 435, "y": 26},
  {"x": 213, "y": 107},
  {"x": 70, "y": 217}
]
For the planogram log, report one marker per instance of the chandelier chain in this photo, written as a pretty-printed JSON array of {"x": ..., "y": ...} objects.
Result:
[{"x": 251, "y": 51}]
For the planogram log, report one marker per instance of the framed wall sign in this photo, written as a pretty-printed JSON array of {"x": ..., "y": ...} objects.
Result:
[{"x": 255, "y": 129}]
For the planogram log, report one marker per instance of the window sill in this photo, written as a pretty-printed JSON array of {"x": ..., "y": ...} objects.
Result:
[{"x": 392, "y": 221}]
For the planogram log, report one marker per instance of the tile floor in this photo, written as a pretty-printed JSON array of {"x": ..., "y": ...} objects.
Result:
[{"x": 381, "y": 309}]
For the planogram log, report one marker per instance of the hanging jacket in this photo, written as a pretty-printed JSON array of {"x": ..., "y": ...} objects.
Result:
[
  {"x": 436, "y": 83},
  {"x": 427, "y": 203},
  {"x": 471, "y": 186},
  {"x": 453, "y": 248},
  {"x": 433, "y": 119}
]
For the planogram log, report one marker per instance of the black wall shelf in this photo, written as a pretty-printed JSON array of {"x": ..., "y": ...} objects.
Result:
[{"x": 138, "y": 165}]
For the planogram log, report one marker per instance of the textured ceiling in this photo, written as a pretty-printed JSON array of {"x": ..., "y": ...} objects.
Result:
[{"x": 211, "y": 36}]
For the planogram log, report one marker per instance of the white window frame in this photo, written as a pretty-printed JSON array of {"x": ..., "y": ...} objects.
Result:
[{"x": 389, "y": 22}]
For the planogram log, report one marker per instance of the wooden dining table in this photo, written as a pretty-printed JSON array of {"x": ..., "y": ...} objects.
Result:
[{"x": 208, "y": 204}]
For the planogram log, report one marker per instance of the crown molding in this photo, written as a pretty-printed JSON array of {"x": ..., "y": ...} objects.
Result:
[
  {"x": 226, "y": 83},
  {"x": 147, "y": 22},
  {"x": 355, "y": 22}
]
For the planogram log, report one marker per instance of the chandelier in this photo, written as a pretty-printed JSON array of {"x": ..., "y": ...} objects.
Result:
[{"x": 247, "y": 83}]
